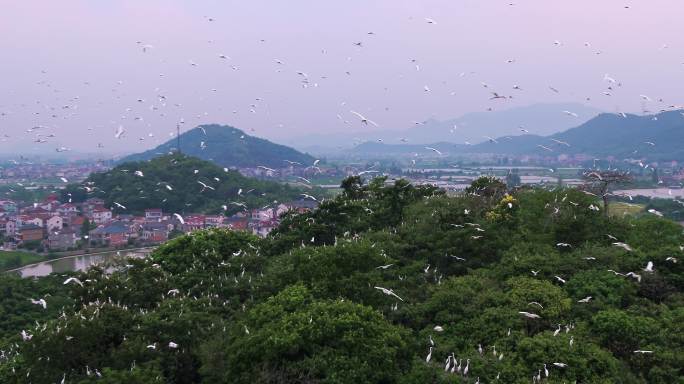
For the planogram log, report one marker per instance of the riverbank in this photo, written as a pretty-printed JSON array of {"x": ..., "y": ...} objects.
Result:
[
  {"x": 15, "y": 260},
  {"x": 79, "y": 262}
]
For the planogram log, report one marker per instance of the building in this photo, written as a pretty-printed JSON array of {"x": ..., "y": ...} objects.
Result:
[
  {"x": 101, "y": 215},
  {"x": 155, "y": 232},
  {"x": 193, "y": 223},
  {"x": 62, "y": 240},
  {"x": 10, "y": 227},
  {"x": 154, "y": 214},
  {"x": 113, "y": 234},
  {"x": 67, "y": 210},
  {"x": 89, "y": 205},
  {"x": 213, "y": 221},
  {"x": 29, "y": 232},
  {"x": 263, "y": 228},
  {"x": 54, "y": 223},
  {"x": 25, "y": 220},
  {"x": 301, "y": 206},
  {"x": 236, "y": 222},
  {"x": 8, "y": 206}
]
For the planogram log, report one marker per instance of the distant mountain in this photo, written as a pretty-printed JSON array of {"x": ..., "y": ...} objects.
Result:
[
  {"x": 540, "y": 119},
  {"x": 179, "y": 184},
  {"x": 228, "y": 147},
  {"x": 653, "y": 137},
  {"x": 606, "y": 135}
]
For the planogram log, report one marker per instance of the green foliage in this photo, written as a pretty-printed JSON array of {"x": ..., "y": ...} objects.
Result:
[
  {"x": 292, "y": 337},
  {"x": 172, "y": 183},
  {"x": 307, "y": 303}
]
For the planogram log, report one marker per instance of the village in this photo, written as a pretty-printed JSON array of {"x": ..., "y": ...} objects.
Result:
[{"x": 54, "y": 226}]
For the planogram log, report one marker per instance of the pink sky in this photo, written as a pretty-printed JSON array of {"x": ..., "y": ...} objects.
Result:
[{"x": 87, "y": 47}]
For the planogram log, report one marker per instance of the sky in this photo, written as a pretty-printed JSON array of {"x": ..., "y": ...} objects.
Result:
[{"x": 82, "y": 71}]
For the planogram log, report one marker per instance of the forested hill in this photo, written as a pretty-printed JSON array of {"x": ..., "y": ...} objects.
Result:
[
  {"x": 383, "y": 284},
  {"x": 228, "y": 147},
  {"x": 178, "y": 184},
  {"x": 655, "y": 137}
]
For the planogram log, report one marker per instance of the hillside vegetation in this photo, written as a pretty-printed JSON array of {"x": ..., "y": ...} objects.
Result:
[
  {"x": 179, "y": 184},
  {"x": 383, "y": 284},
  {"x": 227, "y": 147}
]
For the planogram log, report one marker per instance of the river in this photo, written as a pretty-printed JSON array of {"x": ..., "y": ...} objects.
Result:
[
  {"x": 79, "y": 262},
  {"x": 663, "y": 193}
]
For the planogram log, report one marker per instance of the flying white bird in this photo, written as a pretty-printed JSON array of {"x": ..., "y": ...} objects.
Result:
[
  {"x": 389, "y": 292},
  {"x": 73, "y": 280},
  {"x": 40, "y": 302},
  {"x": 266, "y": 168},
  {"x": 435, "y": 150},
  {"x": 204, "y": 186},
  {"x": 623, "y": 246},
  {"x": 180, "y": 218},
  {"x": 306, "y": 196},
  {"x": 364, "y": 120},
  {"x": 119, "y": 132}
]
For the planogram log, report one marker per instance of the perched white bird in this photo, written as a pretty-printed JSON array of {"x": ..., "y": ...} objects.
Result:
[
  {"x": 173, "y": 345},
  {"x": 649, "y": 267},
  {"x": 429, "y": 355}
]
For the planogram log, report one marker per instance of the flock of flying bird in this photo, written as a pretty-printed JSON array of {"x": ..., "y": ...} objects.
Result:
[
  {"x": 140, "y": 112},
  {"x": 43, "y": 134}
]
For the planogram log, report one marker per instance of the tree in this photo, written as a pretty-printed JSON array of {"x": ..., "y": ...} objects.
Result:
[
  {"x": 85, "y": 227},
  {"x": 292, "y": 337},
  {"x": 602, "y": 181}
]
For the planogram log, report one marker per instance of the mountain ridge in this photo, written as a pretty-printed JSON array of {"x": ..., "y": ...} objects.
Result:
[
  {"x": 544, "y": 119},
  {"x": 656, "y": 137},
  {"x": 226, "y": 146}
]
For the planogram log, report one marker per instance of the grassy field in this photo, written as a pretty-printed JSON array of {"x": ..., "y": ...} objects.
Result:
[
  {"x": 623, "y": 209},
  {"x": 16, "y": 259}
]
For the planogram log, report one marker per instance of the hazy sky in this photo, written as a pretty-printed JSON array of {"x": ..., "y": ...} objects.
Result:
[{"x": 78, "y": 69}]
